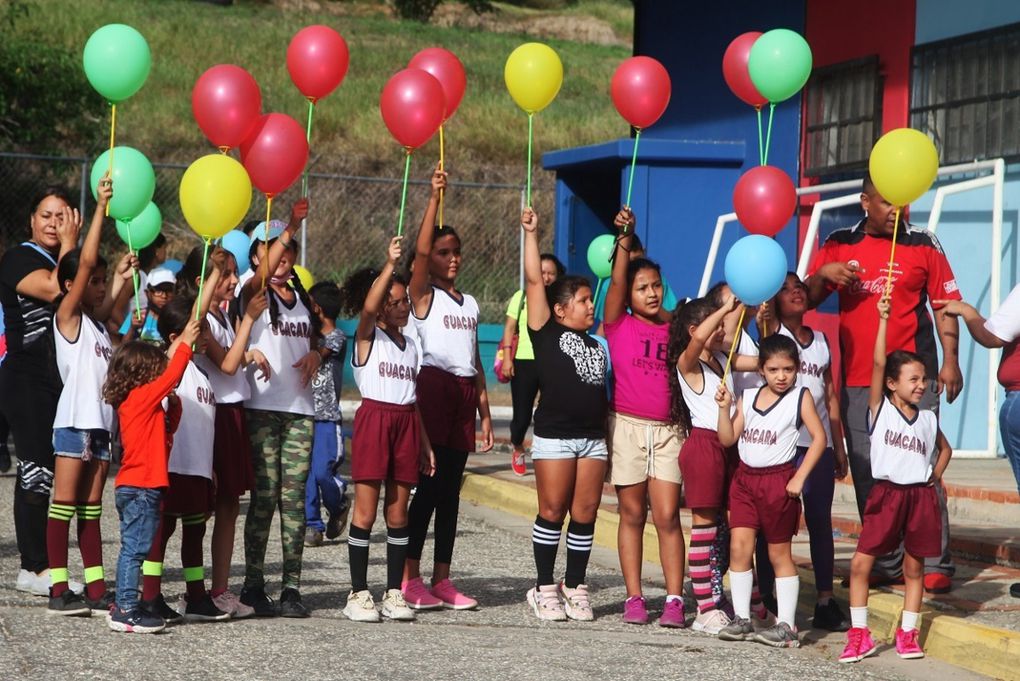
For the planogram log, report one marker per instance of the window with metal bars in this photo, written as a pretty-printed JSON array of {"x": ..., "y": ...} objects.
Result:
[
  {"x": 843, "y": 116},
  {"x": 965, "y": 94}
]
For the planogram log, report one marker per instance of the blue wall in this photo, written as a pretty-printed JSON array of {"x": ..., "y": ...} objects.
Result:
[{"x": 939, "y": 19}]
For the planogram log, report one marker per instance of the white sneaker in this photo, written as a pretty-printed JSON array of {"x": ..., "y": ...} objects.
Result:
[
  {"x": 577, "y": 603},
  {"x": 394, "y": 606},
  {"x": 711, "y": 622},
  {"x": 545, "y": 601},
  {"x": 38, "y": 584},
  {"x": 361, "y": 608},
  {"x": 230, "y": 603}
]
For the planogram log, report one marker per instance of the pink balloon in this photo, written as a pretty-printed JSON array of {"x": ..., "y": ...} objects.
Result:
[
  {"x": 226, "y": 102},
  {"x": 317, "y": 59},
  {"x": 412, "y": 106},
  {"x": 734, "y": 67},
  {"x": 448, "y": 70},
  {"x": 764, "y": 200},
  {"x": 640, "y": 89},
  {"x": 275, "y": 153}
]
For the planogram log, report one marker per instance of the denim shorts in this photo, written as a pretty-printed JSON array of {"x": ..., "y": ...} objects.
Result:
[
  {"x": 573, "y": 448},
  {"x": 82, "y": 444}
]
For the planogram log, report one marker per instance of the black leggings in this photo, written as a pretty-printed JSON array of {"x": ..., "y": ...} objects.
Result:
[
  {"x": 441, "y": 494},
  {"x": 523, "y": 390}
]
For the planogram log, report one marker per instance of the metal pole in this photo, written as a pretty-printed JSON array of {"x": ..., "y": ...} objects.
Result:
[{"x": 993, "y": 304}]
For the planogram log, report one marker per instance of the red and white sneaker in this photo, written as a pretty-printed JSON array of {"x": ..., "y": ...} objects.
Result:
[
  {"x": 907, "y": 646},
  {"x": 859, "y": 645},
  {"x": 418, "y": 596},
  {"x": 517, "y": 463}
]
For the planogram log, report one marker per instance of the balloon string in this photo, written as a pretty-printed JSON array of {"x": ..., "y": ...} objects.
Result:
[
  {"x": 201, "y": 282},
  {"x": 633, "y": 162},
  {"x": 761, "y": 143},
  {"x": 531, "y": 136},
  {"x": 768, "y": 135},
  {"x": 442, "y": 166},
  {"x": 308, "y": 136},
  {"x": 403, "y": 195},
  {"x": 134, "y": 272},
  {"x": 113, "y": 130},
  {"x": 598, "y": 287},
  {"x": 269, "y": 213},
  {"x": 892, "y": 254},
  {"x": 733, "y": 348}
]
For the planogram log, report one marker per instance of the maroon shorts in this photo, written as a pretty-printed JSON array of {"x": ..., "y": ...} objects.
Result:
[
  {"x": 758, "y": 500},
  {"x": 706, "y": 467},
  {"x": 387, "y": 442},
  {"x": 448, "y": 404},
  {"x": 232, "y": 452},
  {"x": 901, "y": 513},
  {"x": 189, "y": 494}
]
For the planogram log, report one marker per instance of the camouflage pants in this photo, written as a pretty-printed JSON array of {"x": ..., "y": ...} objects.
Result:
[{"x": 281, "y": 446}]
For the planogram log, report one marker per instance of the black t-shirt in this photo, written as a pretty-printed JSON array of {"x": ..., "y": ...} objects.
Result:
[
  {"x": 572, "y": 377},
  {"x": 28, "y": 321}
]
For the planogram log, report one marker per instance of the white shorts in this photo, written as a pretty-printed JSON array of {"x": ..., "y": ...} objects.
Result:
[{"x": 572, "y": 448}]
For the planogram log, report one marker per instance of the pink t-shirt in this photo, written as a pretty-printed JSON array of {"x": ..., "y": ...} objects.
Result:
[{"x": 640, "y": 379}]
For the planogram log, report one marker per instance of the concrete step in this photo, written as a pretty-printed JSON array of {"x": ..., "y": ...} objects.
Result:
[{"x": 969, "y": 503}]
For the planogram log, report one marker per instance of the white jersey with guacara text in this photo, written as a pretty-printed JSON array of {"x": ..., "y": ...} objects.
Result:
[
  {"x": 449, "y": 333},
  {"x": 82, "y": 364},
  {"x": 704, "y": 411},
  {"x": 902, "y": 445},
  {"x": 389, "y": 372},
  {"x": 283, "y": 346},
  {"x": 770, "y": 435},
  {"x": 192, "y": 453},
  {"x": 815, "y": 359}
]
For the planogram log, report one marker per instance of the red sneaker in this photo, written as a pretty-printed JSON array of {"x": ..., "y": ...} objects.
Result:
[
  {"x": 937, "y": 583},
  {"x": 907, "y": 646},
  {"x": 517, "y": 463}
]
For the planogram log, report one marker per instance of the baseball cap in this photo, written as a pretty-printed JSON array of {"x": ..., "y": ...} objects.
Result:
[
  {"x": 276, "y": 228},
  {"x": 160, "y": 276}
]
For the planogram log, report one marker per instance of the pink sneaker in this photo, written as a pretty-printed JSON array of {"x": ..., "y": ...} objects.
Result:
[
  {"x": 859, "y": 645},
  {"x": 673, "y": 615},
  {"x": 449, "y": 597},
  {"x": 907, "y": 646},
  {"x": 634, "y": 610},
  {"x": 418, "y": 595}
]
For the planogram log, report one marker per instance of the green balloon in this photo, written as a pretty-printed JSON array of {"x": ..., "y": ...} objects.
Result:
[
  {"x": 143, "y": 230},
  {"x": 134, "y": 181},
  {"x": 779, "y": 64},
  {"x": 599, "y": 251},
  {"x": 117, "y": 61}
]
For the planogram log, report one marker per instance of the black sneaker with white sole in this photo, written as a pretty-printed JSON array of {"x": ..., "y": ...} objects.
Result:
[
  {"x": 68, "y": 604},
  {"x": 291, "y": 605},
  {"x": 204, "y": 611},
  {"x": 138, "y": 621},
  {"x": 255, "y": 597},
  {"x": 101, "y": 605},
  {"x": 337, "y": 522},
  {"x": 158, "y": 608}
]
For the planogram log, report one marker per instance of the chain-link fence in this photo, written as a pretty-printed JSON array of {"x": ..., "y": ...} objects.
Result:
[{"x": 349, "y": 226}]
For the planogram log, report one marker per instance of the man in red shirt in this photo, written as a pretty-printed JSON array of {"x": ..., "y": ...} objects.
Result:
[{"x": 854, "y": 262}]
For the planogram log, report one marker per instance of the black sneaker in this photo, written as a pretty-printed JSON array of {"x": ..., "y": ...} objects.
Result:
[
  {"x": 1014, "y": 590},
  {"x": 291, "y": 605},
  {"x": 830, "y": 617},
  {"x": 158, "y": 607},
  {"x": 101, "y": 605},
  {"x": 204, "y": 611},
  {"x": 68, "y": 604},
  {"x": 337, "y": 522},
  {"x": 138, "y": 621},
  {"x": 770, "y": 603},
  {"x": 5, "y": 460},
  {"x": 255, "y": 597}
]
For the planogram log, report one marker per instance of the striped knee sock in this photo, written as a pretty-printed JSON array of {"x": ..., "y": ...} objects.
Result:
[
  {"x": 699, "y": 565},
  {"x": 357, "y": 556},
  {"x": 57, "y": 528},
  {"x": 580, "y": 537},
  {"x": 192, "y": 534},
  {"x": 396, "y": 553},
  {"x": 545, "y": 540},
  {"x": 90, "y": 543}
]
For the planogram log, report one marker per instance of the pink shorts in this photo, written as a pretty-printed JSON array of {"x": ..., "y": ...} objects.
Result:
[
  {"x": 758, "y": 500},
  {"x": 387, "y": 442},
  {"x": 448, "y": 404},
  {"x": 232, "y": 452},
  {"x": 706, "y": 467},
  {"x": 901, "y": 513}
]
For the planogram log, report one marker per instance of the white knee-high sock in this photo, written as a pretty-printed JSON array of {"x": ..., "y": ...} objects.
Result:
[
  {"x": 740, "y": 588},
  {"x": 787, "y": 591}
]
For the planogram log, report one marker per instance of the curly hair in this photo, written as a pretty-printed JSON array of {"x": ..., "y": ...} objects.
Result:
[
  {"x": 357, "y": 285},
  {"x": 133, "y": 365},
  {"x": 684, "y": 317}
]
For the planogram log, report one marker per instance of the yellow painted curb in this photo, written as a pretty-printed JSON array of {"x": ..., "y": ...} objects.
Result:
[{"x": 973, "y": 646}]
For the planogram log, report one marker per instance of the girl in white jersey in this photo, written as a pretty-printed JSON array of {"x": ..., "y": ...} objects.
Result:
[
  {"x": 225, "y": 357},
  {"x": 909, "y": 454},
  {"x": 389, "y": 439},
  {"x": 764, "y": 494},
  {"x": 451, "y": 388}
]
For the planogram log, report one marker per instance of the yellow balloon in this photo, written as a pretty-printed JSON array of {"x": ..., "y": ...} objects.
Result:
[
  {"x": 305, "y": 277},
  {"x": 533, "y": 75},
  {"x": 903, "y": 165},
  {"x": 215, "y": 195}
]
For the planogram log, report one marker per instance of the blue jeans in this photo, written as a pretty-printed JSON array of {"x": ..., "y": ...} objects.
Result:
[
  {"x": 324, "y": 486},
  {"x": 1009, "y": 424},
  {"x": 139, "y": 511}
]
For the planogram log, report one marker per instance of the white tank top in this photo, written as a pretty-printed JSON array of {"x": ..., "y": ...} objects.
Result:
[
  {"x": 902, "y": 451},
  {"x": 82, "y": 364},
  {"x": 742, "y": 380},
  {"x": 389, "y": 371},
  {"x": 283, "y": 347},
  {"x": 229, "y": 389},
  {"x": 815, "y": 359},
  {"x": 770, "y": 436},
  {"x": 192, "y": 453},
  {"x": 704, "y": 410},
  {"x": 449, "y": 333}
]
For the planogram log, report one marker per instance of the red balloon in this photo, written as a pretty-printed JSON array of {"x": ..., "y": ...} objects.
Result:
[
  {"x": 764, "y": 200},
  {"x": 448, "y": 70},
  {"x": 317, "y": 60},
  {"x": 275, "y": 153},
  {"x": 226, "y": 102},
  {"x": 734, "y": 68},
  {"x": 412, "y": 106},
  {"x": 640, "y": 90}
]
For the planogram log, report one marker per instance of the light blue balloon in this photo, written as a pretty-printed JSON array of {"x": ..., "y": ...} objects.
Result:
[
  {"x": 237, "y": 243},
  {"x": 755, "y": 269},
  {"x": 173, "y": 265}
]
